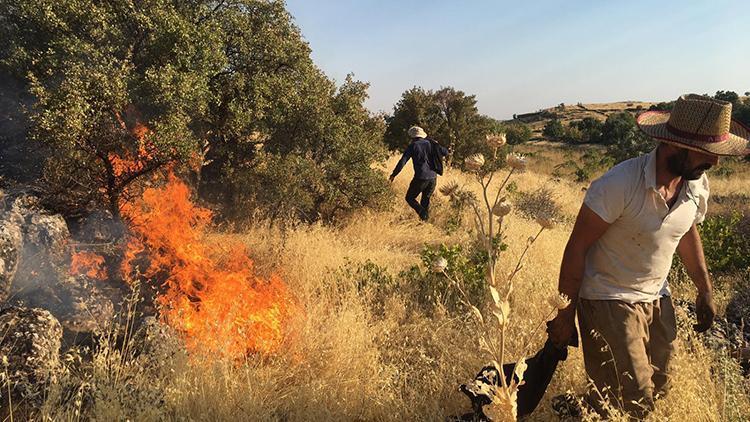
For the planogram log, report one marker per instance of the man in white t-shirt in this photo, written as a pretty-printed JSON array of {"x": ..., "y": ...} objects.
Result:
[{"x": 619, "y": 254}]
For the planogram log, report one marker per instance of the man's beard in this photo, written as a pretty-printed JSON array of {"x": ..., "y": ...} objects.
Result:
[{"x": 678, "y": 165}]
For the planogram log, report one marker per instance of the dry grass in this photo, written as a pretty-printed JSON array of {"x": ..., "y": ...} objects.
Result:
[{"x": 344, "y": 361}]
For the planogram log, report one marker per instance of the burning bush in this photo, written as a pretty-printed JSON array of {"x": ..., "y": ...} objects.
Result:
[{"x": 219, "y": 305}]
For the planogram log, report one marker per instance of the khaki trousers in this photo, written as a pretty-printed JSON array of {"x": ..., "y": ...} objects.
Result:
[{"x": 627, "y": 349}]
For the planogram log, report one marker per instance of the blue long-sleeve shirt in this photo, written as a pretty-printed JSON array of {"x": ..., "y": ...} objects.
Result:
[{"x": 419, "y": 152}]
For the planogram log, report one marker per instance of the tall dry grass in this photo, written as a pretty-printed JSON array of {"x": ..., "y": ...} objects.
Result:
[{"x": 347, "y": 361}]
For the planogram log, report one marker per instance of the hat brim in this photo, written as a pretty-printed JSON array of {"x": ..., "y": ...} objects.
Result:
[{"x": 654, "y": 124}]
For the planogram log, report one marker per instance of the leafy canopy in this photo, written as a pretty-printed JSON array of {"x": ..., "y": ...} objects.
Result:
[{"x": 222, "y": 90}]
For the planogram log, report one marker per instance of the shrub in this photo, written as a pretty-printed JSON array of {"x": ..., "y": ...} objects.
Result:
[
  {"x": 573, "y": 135},
  {"x": 623, "y": 138},
  {"x": 517, "y": 133},
  {"x": 591, "y": 129},
  {"x": 726, "y": 241},
  {"x": 538, "y": 202},
  {"x": 294, "y": 187},
  {"x": 554, "y": 130},
  {"x": 466, "y": 265},
  {"x": 372, "y": 281}
]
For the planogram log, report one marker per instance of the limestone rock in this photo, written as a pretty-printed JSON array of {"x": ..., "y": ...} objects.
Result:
[{"x": 31, "y": 348}]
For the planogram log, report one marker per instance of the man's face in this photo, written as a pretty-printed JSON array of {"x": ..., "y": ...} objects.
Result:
[{"x": 690, "y": 164}]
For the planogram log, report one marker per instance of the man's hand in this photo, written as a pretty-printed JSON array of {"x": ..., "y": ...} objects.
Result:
[
  {"x": 690, "y": 250},
  {"x": 588, "y": 228},
  {"x": 705, "y": 311},
  {"x": 560, "y": 330}
]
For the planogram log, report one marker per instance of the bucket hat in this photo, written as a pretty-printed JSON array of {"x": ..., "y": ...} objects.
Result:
[{"x": 417, "y": 132}]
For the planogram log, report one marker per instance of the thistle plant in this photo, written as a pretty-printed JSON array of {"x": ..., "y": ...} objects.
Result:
[{"x": 490, "y": 211}]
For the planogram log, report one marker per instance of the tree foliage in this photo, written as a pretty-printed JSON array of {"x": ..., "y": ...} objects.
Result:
[
  {"x": 100, "y": 72},
  {"x": 554, "y": 130},
  {"x": 623, "y": 138},
  {"x": 222, "y": 88},
  {"x": 450, "y": 117}
]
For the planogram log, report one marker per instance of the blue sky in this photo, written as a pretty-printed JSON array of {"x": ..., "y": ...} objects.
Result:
[{"x": 520, "y": 56}]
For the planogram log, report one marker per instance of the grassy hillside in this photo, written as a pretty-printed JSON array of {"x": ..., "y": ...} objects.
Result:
[
  {"x": 567, "y": 113},
  {"x": 359, "y": 353}
]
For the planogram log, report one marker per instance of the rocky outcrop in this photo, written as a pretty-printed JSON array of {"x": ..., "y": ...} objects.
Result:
[
  {"x": 34, "y": 270},
  {"x": 29, "y": 351},
  {"x": 82, "y": 308},
  {"x": 11, "y": 244}
]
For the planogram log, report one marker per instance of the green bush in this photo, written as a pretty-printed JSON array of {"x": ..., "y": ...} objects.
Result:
[
  {"x": 466, "y": 266},
  {"x": 373, "y": 283},
  {"x": 726, "y": 242},
  {"x": 554, "y": 130},
  {"x": 623, "y": 138},
  {"x": 297, "y": 188},
  {"x": 517, "y": 133},
  {"x": 591, "y": 129}
]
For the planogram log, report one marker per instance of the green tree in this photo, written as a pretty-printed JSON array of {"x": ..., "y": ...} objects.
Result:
[
  {"x": 221, "y": 87},
  {"x": 554, "y": 130},
  {"x": 517, "y": 133},
  {"x": 591, "y": 129},
  {"x": 623, "y": 138},
  {"x": 729, "y": 96},
  {"x": 413, "y": 108},
  {"x": 315, "y": 163},
  {"x": 573, "y": 135},
  {"x": 448, "y": 115},
  {"x": 102, "y": 73}
]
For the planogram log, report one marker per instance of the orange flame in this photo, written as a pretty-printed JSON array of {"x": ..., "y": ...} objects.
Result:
[
  {"x": 88, "y": 263},
  {"x": 219, "y": 304},
  {"x": 129, "y": 163}
]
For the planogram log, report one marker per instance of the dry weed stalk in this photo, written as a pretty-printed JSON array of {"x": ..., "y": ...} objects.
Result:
[{"x": 489, "y": 214}]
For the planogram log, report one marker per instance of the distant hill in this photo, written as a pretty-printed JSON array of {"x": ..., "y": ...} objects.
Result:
[{"x": 567, "y": 113}]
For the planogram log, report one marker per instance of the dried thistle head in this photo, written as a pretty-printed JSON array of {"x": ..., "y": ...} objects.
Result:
[
  {"x": 449, "y": 188},
  {"x": 559, "y": 301},
  {"x": 546, "y": 222},
  {"x": 501, "y": 209},
  {"x": 496, "y": 140},
  {"x": 474, "y": 162},
  {"x": 516, "y": 161},
  {"x": 439, "y": 265},
  {"x": 539, "y": 204}
]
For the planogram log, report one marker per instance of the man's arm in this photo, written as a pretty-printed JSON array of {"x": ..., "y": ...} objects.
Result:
[
  {"x": 443, "y": 150},
  {"x": 402, "y": 162},
  {"x": 587, "y": 229},
  {"x": 690, "y": 250}
]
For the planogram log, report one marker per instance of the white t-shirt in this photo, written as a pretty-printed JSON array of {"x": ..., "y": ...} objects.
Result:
[{"x": 631, "y": 261}]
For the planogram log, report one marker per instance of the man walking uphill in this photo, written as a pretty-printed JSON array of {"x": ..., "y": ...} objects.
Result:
[
  {"x": 425, "y": 154},
  {"x": 617, "y": 259}
]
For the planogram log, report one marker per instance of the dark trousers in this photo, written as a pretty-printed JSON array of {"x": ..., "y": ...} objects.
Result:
[{"x": 425, "y": 188}]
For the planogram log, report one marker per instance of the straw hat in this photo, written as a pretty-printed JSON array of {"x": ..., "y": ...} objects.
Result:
[
  {"x": 417, "y": 132},
  {"x": 700, "y": 123}
]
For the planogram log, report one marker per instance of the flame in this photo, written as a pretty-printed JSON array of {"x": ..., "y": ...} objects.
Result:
[
  {"x": 218, "y": 303},
  {"x": 131, "y": 163},
  {"x": 89, "y": 263}
]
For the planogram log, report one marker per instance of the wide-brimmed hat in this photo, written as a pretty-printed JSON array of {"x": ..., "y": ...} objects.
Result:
[
  {"x": 417, "y": 132},
  {"x": 700, "y": 123}
]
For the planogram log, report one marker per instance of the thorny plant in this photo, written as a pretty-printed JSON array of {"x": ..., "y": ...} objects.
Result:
[{"x": 489, "y": 213}]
